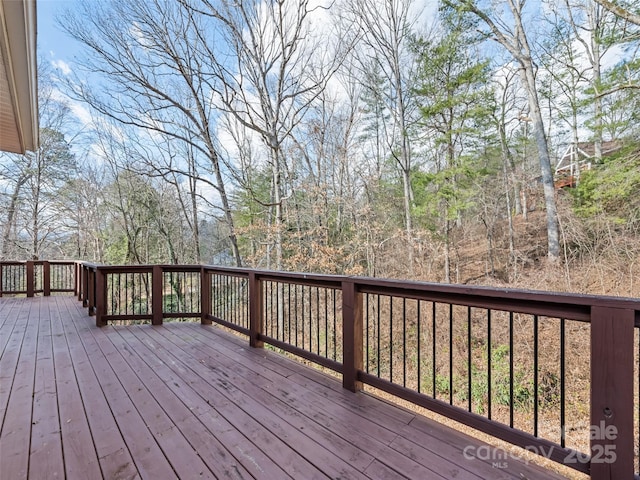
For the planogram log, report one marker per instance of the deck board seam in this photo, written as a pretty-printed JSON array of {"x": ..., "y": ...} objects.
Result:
[
  {"x": 278, "y": 406},
  {"x": 314, "y": 420},
  {"x": 203, "y": 384},
  {"x": 85, "y": 353},
  {"x": 109, "y": 371},
  {"x": 129, "y": 337},
  {"x": 221, "y": 391},
  {"x": 65, "y": 346}
]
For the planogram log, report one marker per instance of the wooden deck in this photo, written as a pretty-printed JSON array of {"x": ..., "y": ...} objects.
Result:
[{"x": 191, "y": 401}]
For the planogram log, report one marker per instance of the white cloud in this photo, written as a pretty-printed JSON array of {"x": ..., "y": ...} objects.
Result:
[
  {"x": 81, "y": 112},
  {"x": 62, "y": 66}
]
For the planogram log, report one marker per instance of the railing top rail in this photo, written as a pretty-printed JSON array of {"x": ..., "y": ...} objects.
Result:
[
  {"x": 563, "y": 305},
  {"x": 574, "y": 305},
  {"x": 37, "y": 262},
  {"x": 123, "y": 268},
  {"x": 90, "y": 265}
]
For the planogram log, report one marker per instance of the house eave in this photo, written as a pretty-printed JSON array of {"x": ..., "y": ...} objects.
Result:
[{"x": 18, "y": 76}]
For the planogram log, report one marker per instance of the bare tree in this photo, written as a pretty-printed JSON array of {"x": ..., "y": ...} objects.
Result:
[
  {"x": 514, "y": 39},
  {"x": 385, "y": 29},
  {"x": 590, "y": 24},
  {"x": 150, "y": 56},
  {"x": 31, "y": 181},
  {"x": 275, "y": 67}
]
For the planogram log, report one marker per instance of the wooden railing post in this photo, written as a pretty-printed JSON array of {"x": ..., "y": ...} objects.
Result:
[
  {"x": 46, "y": 279},
  {"x": 30, "y": 279},
  {"x": 85, "y": 286},
  {"x": 91, "y": 291},
  {"x": 612, "y": 403},
  {"x": 352, "y": 355},
  {"x": 77, "y": 288},
  {"x": 1, "y": 283},
  {"x": 100, "y": 297},
  {"x": 255, "y": 310},
  {"x": 156, "y": 295},
  {"x": 205, "y": 296}
]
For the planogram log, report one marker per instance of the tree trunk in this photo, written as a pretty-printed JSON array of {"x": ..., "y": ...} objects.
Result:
[
  {"x": 506, "y": 164},
  {"x": 277, "y": 204},
  {"x": 596, "y": 67},
  {"x": 517, "y": 44},
  {"x": 553, "y": 239},
  {"x": 447, "y": 252},
  {"x": 11, "y": 214}
]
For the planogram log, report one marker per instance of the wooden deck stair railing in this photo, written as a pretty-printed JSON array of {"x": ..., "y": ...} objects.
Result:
[{"x": 456, "y": 350}]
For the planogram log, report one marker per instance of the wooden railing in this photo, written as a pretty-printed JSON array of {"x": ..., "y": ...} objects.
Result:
[
  {"x": 37, "y": 277},
  {"x": 532, "y": 368}
]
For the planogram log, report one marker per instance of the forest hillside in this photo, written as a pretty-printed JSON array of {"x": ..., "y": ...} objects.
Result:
[{"x": 459, "y": 141}]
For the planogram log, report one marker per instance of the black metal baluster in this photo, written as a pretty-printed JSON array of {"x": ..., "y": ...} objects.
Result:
[
  {"x": 419, "y": 333},
  {"x": 215, "y": 285},
  {"x": 279, "y": 286},
  {"x": 433, "y": 349},
  {"x": 310, "y": 319},
  {"x": 511, "y": 406},
  {"x": 295, "y": 313},
  {"x": 302, "y": 326},
  {"x": 404, "y": 342},
  {"x": 378, "y": 333},
  {"x": 289, "y": 311},
  {"x": 366, "y": 320},
  {"x": 489, "y": 364},
  {"x": 391, "y": 339},
  {"x": 318, "y": 320},
  {"x": 469, "y": 361},
  {"x": 535, "y": 375},
  {"x": 326, "y": 325},
  {"x": 450, "y": 354},
  {"x": 335, "y": 347},
  {"x": 562, "y": 382}
]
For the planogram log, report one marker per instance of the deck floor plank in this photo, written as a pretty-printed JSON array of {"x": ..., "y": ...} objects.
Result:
[
  {"x": 180, "y": 380},
  {"x": 360, "y": 431},
  {"x": 145, "y": 450},
  {"x": 162, "y": 412},
  {"x": 322, "y": 415},
  {"x": 184, "y": 407},
  {"x": 15, "y": 435},
  {"x": 80, "y": 455},
  {"x": 318, "y": 382},
  {"x": 319, "y": 428},
  {"x": 113, "y": 453},
  {"x": 45, "y": 457},
  {"x": 277, "y": 439},
  {"x": 7, "y": 304},
  {"x": 12, "y": 335},
  {"x": 184, "y": 400}
]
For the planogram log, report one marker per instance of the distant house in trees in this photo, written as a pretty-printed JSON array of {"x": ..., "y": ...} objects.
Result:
[{"x": 577, "y": 159}]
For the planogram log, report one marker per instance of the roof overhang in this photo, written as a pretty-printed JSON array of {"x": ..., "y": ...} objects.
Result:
[{"x": 18, "y": 76}]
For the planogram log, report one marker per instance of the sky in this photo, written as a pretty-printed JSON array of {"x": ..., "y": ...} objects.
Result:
[
  {"x": 53, "y": 44},
  {"x": 56, "y": 47}
]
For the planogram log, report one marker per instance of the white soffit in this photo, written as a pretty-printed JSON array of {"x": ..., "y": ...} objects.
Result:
[{"x": 18, "y": 76}]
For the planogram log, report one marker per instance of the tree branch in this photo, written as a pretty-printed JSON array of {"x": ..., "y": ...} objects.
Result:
[{"x": 619, "y": 11}]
